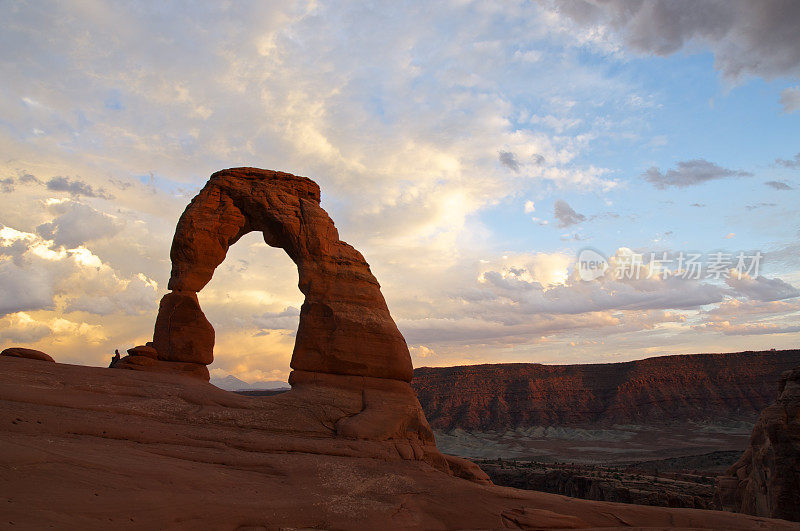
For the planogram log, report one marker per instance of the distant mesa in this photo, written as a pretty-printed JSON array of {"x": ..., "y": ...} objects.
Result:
[
  {"x": 29, "y": 353},
  {"x": 766, "y": 480},
  {"x": 664, "y": 390}
]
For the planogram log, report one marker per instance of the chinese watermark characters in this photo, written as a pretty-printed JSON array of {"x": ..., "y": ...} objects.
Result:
[{"x": 685, "y": 265}]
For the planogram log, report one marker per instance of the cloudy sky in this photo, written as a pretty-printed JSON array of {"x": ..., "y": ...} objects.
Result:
[{"x": 470, "y": 150}]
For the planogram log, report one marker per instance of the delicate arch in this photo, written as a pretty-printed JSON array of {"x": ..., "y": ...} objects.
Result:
[{"x": 345, "y": 326}]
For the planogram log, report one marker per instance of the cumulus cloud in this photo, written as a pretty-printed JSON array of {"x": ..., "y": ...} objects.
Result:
[
  {"x": 27, "y": 178},
  {"x": 739, "y": 309},
  {"x": 8, "y": 184},
  {"x": 523, "y": 298},
  {"x": 509, "y": 160},
  {"x": 759, "y": 205},
  {"x": 690, "y": 173},
  {"x": 21, "y": 328},
  {"x": 287, "y": 319},
  {"x": 24, "y": 287},
  {"x": 778, "y": 185},
  {"x": 421, "y": 352},
  {"x": 744, "y": 317},
  {"x": 530, "y": 207},
  {"x": 792, "y": 163},
  {"x": 75, "y": 224},
  {"x": 107, "y": 294},
  {"x": 36, "y": 274},
  {"x": 790, "y": 99},
  {"x": 521, "y": 270},
  {"x": 749, "y": 329},
  {"x": 747, "y": 38},
  {"x": 565, "y": 214},
  {"x": 75, "y": 187},
  {"x": 762, "y": 288},
  {"x": 532, "y": 290}
]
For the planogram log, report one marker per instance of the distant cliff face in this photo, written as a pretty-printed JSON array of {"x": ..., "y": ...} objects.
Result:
[
  {"x": 660, "y": 390},
  {"x": 766, "y": 480}
]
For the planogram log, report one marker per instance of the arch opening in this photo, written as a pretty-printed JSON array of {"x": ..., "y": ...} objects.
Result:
[{"x": 253, "y": 303}]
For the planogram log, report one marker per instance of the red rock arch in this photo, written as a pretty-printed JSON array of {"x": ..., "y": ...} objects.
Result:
[{"x": 345, "y": 327}]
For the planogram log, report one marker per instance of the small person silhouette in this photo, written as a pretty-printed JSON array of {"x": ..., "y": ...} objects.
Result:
[{"x": 115, "y": 357}]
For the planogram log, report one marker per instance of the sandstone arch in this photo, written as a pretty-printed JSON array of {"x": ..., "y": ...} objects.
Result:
[
  {"x": 345, "y": 326},
  {"x": 351, "y": 365}
]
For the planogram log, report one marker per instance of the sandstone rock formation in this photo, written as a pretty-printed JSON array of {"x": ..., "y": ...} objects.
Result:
[
  {"x": 19, "y": 352},
  {"x": 351, "y": 364},
  {"x": 766, "y": 480},
  {"x": 661, "y": 390},
  {"x": 182, "y": 332},
  {"x": 345, "y": 327}
]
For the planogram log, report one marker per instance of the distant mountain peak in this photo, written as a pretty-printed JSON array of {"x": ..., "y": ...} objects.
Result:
[{"x": 232, "y": 383}]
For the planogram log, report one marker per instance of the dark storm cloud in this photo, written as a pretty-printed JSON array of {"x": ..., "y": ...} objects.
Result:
[
  {"x": 747, "y": 37},
  {"x": 779, "y": 185},
  {"x": 790, "y": 99},
  {"x": 509, "y": 160},
  {"x": 793, "y": 163},
  {"x": 760, "y": 205},
  {"x": 762, "y": 288},
  {"x": 8, "y": 184},
  {"x": 565, "y": 215},
  {"x": 29, "y": 179},
  {"x": 76, "y": 187},
  {"x": 689, "y": 173}
]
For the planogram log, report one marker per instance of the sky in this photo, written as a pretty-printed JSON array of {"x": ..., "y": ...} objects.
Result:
[{"x": 472, "y": 151}]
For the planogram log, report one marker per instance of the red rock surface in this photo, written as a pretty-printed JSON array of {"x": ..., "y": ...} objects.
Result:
[
  {"x": 31, "y": 354},
  {"x": 665, "y": 389},
  {"x": 766, "y": 480},
  {"x": 92, "y": 448},
  {"x": 144, "y": 350},
  {"x": 182, "y": 332},
  {"x": 139, "y": 362}
]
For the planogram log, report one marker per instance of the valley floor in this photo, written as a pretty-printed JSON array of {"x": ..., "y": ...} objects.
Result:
[{"x": 598, "y": 445}]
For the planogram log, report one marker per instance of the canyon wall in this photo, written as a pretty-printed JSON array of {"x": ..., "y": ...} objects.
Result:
[{"x": 661, "y": 390}]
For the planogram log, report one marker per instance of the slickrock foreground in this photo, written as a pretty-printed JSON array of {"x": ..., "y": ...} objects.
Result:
[
  {"x": 91, "y": 448},
  {"x": 766, "y": 480}
]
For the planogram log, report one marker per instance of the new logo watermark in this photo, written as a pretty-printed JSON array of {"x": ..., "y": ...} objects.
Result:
[{"x": 591, "y": 264}]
